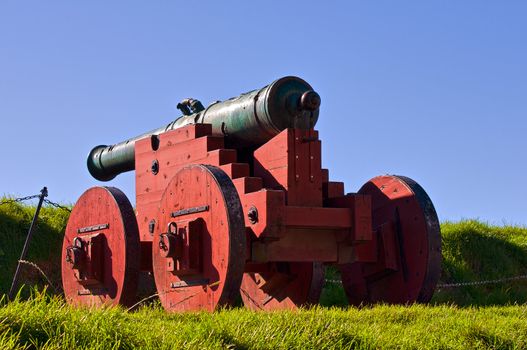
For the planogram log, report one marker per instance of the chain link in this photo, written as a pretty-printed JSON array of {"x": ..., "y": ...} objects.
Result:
[
  {"x": 56, "y": 205},
  {"x": 464, "y": 284},
  {"x": 334, "y": 281},
  {"x": 21, "y": 199},
  {"x": 480, "y": 283},
  {"x": 36, "y": 267},
  {"x": 439, "y": 286}
]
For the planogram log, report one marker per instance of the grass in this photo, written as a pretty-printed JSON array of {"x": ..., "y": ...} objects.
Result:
[
  {"x": 472, "y": 251},
  {"x": 475, "y": 251},
  {"x": 487, "y": 316},
  {"x": 47, "y": 323},
  {"x": 45, "y": 246}
]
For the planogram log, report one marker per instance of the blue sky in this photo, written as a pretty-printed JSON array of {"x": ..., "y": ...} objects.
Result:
[{"x": 433, "y": 90}]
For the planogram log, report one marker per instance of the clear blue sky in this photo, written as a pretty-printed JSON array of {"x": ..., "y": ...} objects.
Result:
[{"x": 435, "y": 90}]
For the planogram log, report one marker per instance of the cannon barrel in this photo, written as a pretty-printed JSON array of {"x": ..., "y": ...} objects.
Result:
[{"x": 250, "y": 119}]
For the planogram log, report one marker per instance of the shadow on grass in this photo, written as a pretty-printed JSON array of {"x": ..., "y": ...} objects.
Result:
[
  {"x": 472, "y": 251},
  {"x": 482, "y": 253},
  {"x": 44, "y": 250},
  {"x": 487, "y": 340}
]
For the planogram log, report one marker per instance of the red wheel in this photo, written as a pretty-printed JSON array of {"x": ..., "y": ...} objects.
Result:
[
  {"x": 199, "y": 247},
  {"x": 407, "y": 240},
  {"x": 100, "y": 252},
  {"x": 283, "y": 285}
]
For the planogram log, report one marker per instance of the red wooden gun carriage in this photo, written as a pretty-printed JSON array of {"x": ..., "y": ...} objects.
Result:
[{"x": 232, "y": 200}]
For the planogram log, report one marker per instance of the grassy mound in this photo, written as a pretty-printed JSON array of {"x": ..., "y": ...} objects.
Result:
[
  {"x": 45, "y": 248},
  {"x": 459, "y": 318},
  {"x": 49, "y": 324},
  {"x": 472, "y": 251}
]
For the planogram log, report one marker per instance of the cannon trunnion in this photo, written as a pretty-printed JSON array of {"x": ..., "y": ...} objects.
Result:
[{"x": 216, "y": 218}]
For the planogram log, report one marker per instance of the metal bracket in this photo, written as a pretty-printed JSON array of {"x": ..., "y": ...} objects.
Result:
[
  {"x": 190, "y": 283},
  {"x": 93, "y": 228},
  {"x": 190, "y": 211}
]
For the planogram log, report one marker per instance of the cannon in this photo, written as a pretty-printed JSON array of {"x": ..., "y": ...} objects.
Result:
[{"x": 232, "y": 201}]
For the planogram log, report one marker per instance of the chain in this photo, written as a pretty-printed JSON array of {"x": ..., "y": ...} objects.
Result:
[
  {"x": 36, "y": 267},
  {"x": 480, "y": 283},
  {"x": 334, "y": 281},
  {"x": 42, "y": 199},
  {"x": 21, "y": 199},
  {"x": 439, "y": 286},
  {"x": 465, "y": 284},
  {"x": 56, "y": 205}
]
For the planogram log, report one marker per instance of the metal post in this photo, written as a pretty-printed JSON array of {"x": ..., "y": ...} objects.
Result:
[{"x": 43, "y": 194}]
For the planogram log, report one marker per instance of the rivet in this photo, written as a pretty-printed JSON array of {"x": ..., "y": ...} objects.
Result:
[{"x": 155, "y": 167}]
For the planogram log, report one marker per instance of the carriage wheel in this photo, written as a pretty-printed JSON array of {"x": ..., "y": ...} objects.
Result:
[
  {"x": 400, "y": 209},
  {"x": 199, "y": 247},
  {"x": 100, "y": 251},
  {"x": 283, "y": 285}
]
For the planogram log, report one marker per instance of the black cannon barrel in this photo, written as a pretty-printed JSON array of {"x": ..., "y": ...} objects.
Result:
[{"x": 250, "y": 119}]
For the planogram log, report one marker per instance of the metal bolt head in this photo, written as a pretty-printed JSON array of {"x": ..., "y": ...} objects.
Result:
[
  {"x": 155, "y": 167},
  {"x": 152, "y": 226},
  {"x": 252, "y": 215}
]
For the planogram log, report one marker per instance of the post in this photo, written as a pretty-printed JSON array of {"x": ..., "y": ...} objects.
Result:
[{"x": 43, "y": 194}]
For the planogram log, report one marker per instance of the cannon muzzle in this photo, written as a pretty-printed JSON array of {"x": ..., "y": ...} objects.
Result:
[{"x": 250, "y": 119}]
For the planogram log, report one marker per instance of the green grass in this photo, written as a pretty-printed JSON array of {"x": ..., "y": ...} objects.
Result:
[
  {"x": 48, "y": 323},
  {"x": 470, "y": 317},
  {"x": 45, "y": 247},
  {"x": 472, "y": 251}
]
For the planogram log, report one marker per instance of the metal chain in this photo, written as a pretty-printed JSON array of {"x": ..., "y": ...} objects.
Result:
[
  {"x": 56, "y": 205},
  {"x": 439, "y": 286},
  {"x": 479, "y": 283},
  {"x": 21, "y": 199},
  {"x": 465, "y": 284},
  {"x": 42, "y": 199},
  {"x": 334, "y": 281},
  {"x": 47, "y": 201},
  {"x": 36, "y": 267}
]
